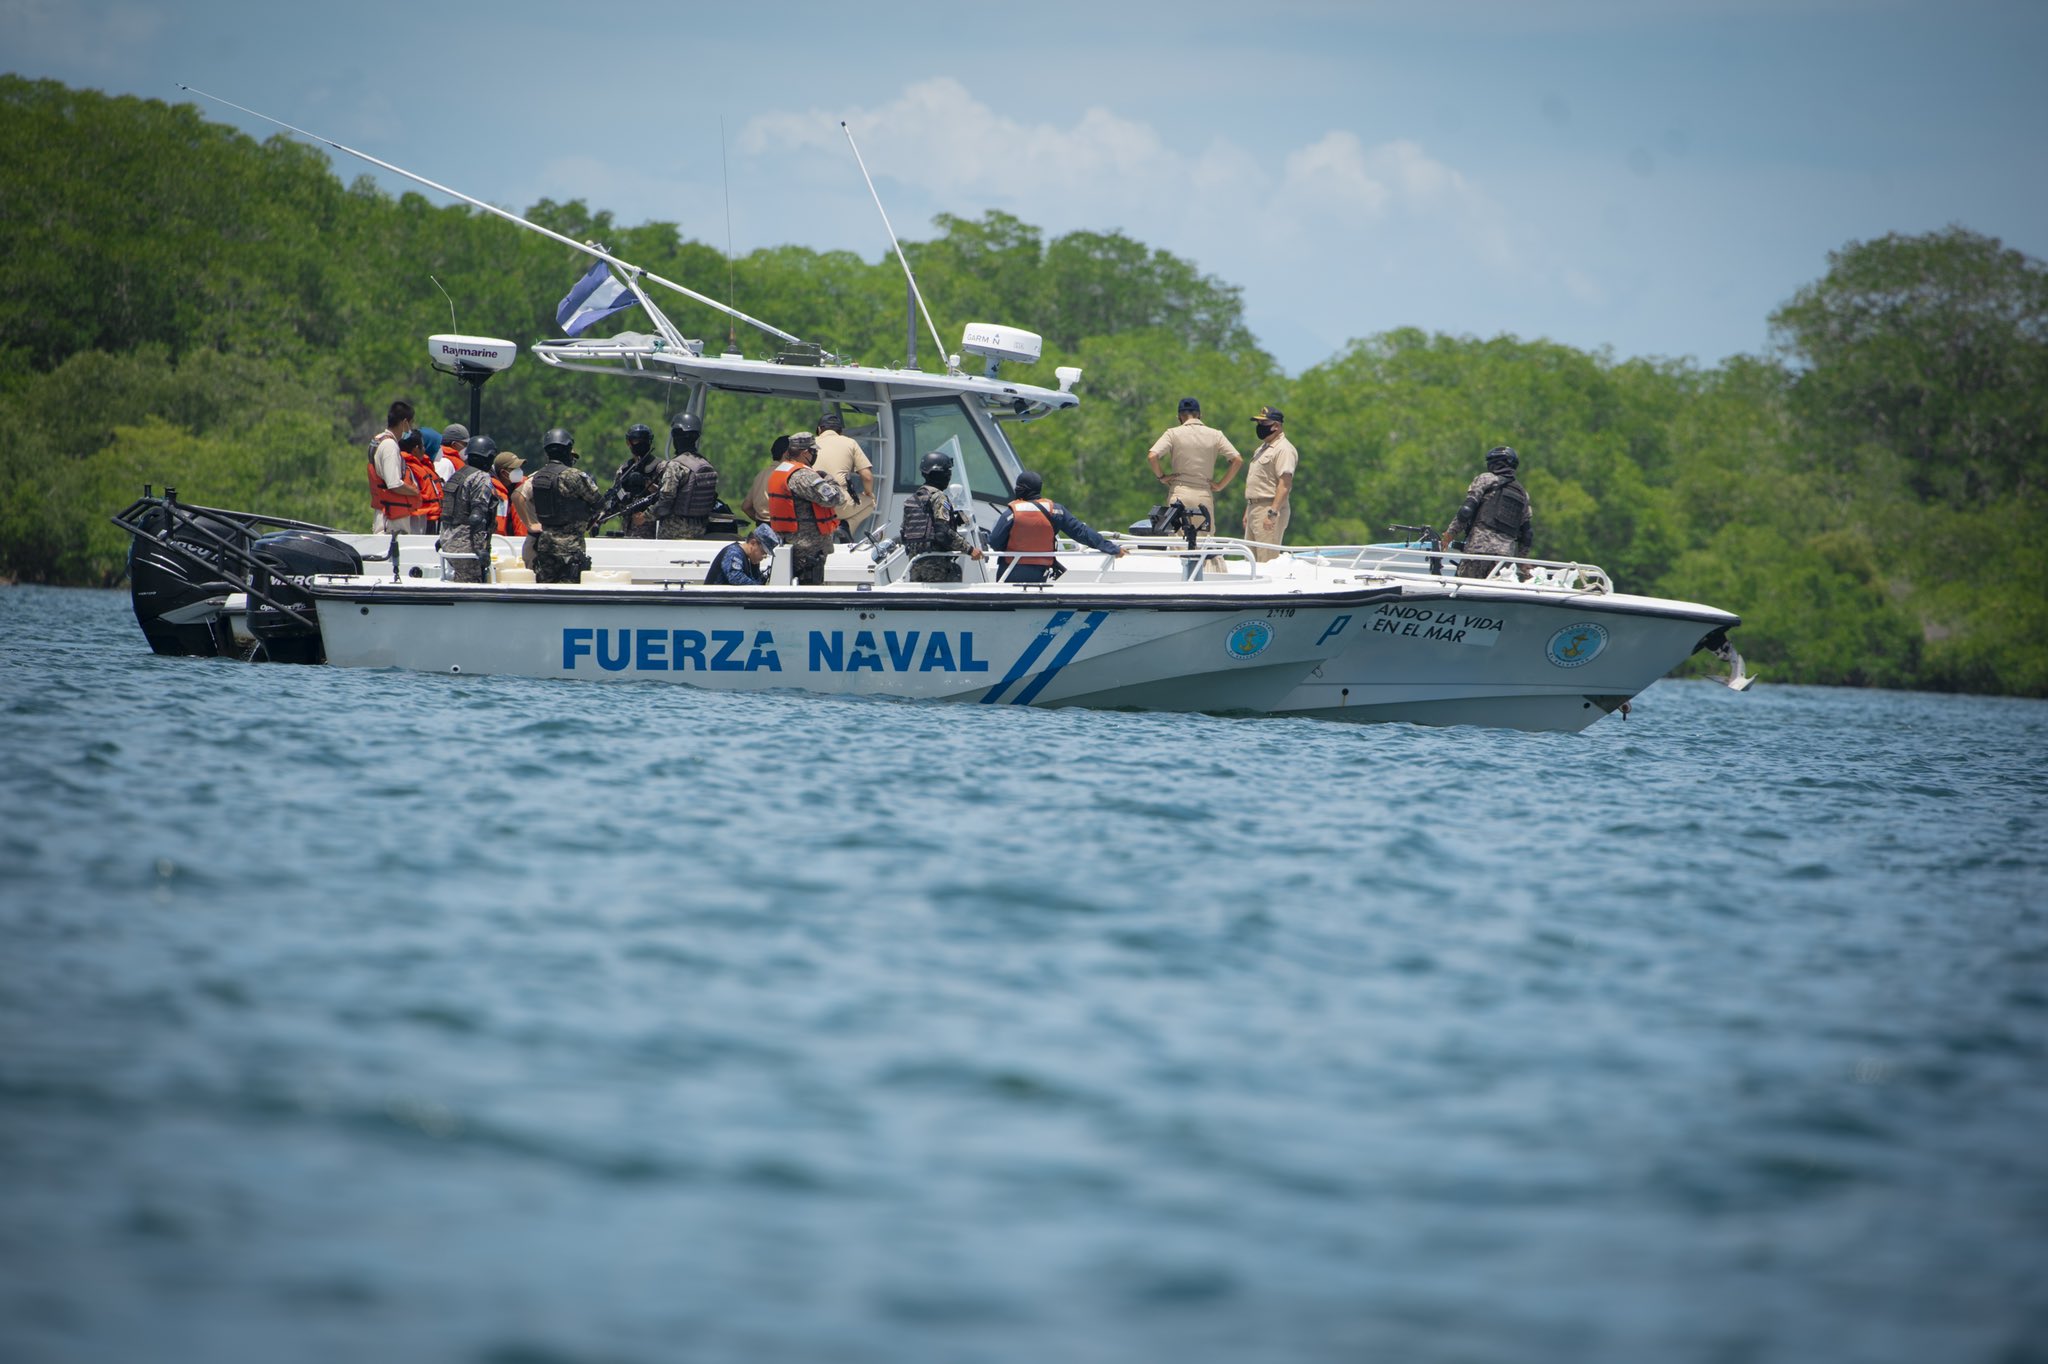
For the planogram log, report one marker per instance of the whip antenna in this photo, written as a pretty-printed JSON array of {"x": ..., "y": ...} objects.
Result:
[
  {"x": 451, "y": 304},
  {"x": 632, "y": 270},
  {"x": 915, "y": 292},
  {"x": 732, "y": 279}
]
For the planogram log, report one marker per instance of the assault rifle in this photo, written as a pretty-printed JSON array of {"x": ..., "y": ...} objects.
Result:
[
  {"x": 629, "y": 494},
  {"x": 621, "y": 503}
]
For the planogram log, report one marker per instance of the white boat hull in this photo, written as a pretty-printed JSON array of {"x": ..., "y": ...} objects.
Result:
[
  {"x": 994, "y": 645},
  {"x": 1502, "y": 656}
]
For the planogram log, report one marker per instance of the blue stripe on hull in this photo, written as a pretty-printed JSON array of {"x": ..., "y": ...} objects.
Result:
[
  {"x": 1062, "y": 659},
  {"x": 1028, "y": 657}
]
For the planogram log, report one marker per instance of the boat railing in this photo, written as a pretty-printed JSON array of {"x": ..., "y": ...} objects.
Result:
[
  {"x": 163, "y": 520},
  {"x": 1425, "y": 561}
]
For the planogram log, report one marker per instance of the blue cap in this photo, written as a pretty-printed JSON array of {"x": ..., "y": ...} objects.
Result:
[
  {"x": 765, "y": 533},
  {"x": 1190, "y": 405}
]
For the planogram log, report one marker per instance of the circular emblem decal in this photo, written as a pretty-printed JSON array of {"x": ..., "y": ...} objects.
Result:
[
  {"x": 1576, "y": 645},
  {"x": 1248, "y": 638}
]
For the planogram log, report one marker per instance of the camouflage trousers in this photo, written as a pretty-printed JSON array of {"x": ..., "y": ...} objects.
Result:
[
  {"x": 558, "y": 556},
  {"x": 941, "y": 569},
  {"x": 461, "y": 570},
  {"x": 639, "y": 526},
  {"x": 807, "y": 554},
  {"x": 684, "y": 527},
  {"x": 1482, "y": 541}
]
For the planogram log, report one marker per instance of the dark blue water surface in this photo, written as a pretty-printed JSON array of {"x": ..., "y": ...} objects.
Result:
[{"x": 354, "y": 1015}]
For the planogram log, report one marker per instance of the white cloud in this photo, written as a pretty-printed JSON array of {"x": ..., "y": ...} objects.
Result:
[{"x": 1331, "y": 238}]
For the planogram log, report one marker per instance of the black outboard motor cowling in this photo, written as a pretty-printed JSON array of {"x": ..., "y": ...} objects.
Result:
[
  {"x": 179, "y": 578},
  {"x": 286, "y": 625}
]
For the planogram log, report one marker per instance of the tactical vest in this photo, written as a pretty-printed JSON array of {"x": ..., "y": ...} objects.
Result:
[
  {"x": 783, "y": 504},
  {"x": 557, "y": 510},
  {"x": 1505, "y": 508},
  {"x": 1032, "y": 537},
  {"x": 920, "y": 528},
  {"x": 696, "y": 489},
  {"x": 470, "y": 490}
]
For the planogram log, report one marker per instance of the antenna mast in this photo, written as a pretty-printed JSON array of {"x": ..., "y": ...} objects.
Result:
[
  {"x": 632, "y": 272},
  {"x": 911, "y": 279}
]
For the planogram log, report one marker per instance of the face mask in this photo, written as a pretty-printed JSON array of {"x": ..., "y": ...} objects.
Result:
[{"x": 1264, "y": 429}]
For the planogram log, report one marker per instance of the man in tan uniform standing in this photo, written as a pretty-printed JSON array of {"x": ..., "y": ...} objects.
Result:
[
  {"x": 841, "y": 459},
  {"x": 1269, "y": 486},
  {"x": 1184, "y": 459}
]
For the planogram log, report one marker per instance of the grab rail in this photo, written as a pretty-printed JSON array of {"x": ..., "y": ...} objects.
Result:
[{"x": 187, "y": 518}]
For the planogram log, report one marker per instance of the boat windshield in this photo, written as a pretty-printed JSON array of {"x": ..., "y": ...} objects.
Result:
[{"x": 927, "y": 424}]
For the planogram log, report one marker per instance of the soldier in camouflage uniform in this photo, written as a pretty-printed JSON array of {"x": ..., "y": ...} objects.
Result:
[
  {"x": 932, "y": 527},
  {"x": 1495, "y": 518},
  {"x": 689, "y": 486},
  {"x": 638, "y": 477},
  {"x": 802, "y": 507},
  {"x": 469, "y": 512},
  {"x": 565, "y": 498}
]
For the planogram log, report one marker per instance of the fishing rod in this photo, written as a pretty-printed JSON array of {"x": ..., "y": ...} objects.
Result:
[{"x": 586, "y": 248}]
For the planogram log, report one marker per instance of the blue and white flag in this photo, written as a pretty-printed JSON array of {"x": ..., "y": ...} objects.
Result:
[{"x": 594, "y": 298}]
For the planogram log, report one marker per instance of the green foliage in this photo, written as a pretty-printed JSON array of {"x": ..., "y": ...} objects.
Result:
[
  {"x": 182, "y": 304},
  {"x": 1934, "y": 347}
]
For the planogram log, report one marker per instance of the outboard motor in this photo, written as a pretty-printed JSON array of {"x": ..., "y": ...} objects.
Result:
[
  {"x": 721, "y": 524},
  {"x": 286, "y": 624},
  {"x": 174, "y": 582}
]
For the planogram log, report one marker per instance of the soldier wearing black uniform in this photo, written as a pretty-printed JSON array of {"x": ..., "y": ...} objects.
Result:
[
  {"x": 565, "y": 498},
  {"x": 1495, "y": 518},
  {"x": 689, "y": 486},
  {"x": 932, "y": 526}
]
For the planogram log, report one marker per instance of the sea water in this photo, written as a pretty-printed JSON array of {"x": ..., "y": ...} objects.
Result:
[{"x": 351, "y": 1015}]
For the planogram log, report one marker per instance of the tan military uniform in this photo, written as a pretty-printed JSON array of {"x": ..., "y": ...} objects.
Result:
[
  {"x": 754, "y": 506},
  {"x": 1188, "y": 453},
  {"x": 1263, "y": 521},
  {"x": 838, "y": 456}
]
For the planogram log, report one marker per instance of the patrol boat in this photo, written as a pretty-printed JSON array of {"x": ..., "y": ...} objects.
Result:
[{"x": 1351, "y": 633}]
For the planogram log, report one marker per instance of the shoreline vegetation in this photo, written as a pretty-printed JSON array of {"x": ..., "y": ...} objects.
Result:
[{"x": 181, "y": 304}]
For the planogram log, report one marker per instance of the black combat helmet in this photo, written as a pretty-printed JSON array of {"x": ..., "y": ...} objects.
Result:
[
  {"x": 481, "y": 452},
  {"x": 560, "y": 445},
  {"x": 1502, "y": 457},
  {"x": 683, "y": 432},
  {"x": 936, "y": 468},
  {"x": 639, "y": 438},
  {"x": 1029, "y": 484}
]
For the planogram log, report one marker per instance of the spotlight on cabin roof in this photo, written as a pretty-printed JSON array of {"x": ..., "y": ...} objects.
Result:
[{"x": 998, "y": 344}]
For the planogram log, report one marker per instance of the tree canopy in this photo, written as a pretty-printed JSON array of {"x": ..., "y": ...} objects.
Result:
[{"x": 180, "y": 303}]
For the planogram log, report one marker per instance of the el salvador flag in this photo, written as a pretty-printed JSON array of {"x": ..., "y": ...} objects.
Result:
[{"x": 595, "y": 297}]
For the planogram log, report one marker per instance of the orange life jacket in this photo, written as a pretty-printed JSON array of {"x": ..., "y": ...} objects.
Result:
[
  {"x": 396, "y": 503},
  {"x": 1032, "y": 538},
  {"x": 427, "y": 481},
  {"x": 510, "y": 522},
  {"x": 782, "y": 504}
]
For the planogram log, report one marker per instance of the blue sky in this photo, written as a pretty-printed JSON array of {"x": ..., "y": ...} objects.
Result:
[{"x": 1650, "y": 178}]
